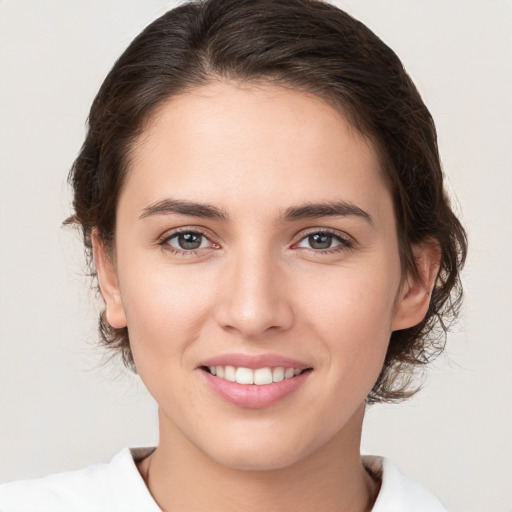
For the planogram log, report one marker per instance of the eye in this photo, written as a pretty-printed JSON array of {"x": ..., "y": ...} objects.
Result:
[
  {"x": 187, "y": 242},
  {"x": 323, "y": 241}
]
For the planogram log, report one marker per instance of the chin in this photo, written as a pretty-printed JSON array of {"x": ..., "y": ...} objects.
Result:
[
  {"x": 250, "y": 454},
  {"x": 258, "y": 461}
]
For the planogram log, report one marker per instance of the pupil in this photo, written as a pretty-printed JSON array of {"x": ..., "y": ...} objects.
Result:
[
  {"x": 320, "y": 241},
  {"x": 189, "y": 240}
]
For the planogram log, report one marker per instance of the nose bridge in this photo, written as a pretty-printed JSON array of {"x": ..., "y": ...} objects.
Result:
[{"x": 254, "y": 299}]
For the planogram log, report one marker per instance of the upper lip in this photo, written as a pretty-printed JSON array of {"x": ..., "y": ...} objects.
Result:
[{"x": 254, "y": 361}]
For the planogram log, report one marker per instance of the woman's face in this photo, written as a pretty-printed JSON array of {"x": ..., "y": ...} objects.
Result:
[{"x": 255, "y": 231}]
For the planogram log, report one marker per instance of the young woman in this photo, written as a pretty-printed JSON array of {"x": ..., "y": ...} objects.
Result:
[{"x": 261, "y": 195}]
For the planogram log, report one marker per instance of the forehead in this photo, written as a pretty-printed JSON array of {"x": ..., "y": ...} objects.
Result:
[{"x": 227, "y": 142}]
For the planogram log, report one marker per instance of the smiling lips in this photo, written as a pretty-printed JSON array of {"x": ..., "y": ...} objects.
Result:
[
  {"x": 259, "y": 376},
  {"x": 254, "y": 382}
]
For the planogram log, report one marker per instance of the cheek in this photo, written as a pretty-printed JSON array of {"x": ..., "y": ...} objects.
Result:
[
  {"x": 352, "y": 314},
  {"x": 165, "y": 307},
  {"x": 166, "y": 311},
  {"x": 343, "y": 297}
]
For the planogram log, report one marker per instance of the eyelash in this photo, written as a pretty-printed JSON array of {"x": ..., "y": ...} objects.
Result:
[
  {"x": 345, "y": 242},
  {"x": 164, "y": 241}
]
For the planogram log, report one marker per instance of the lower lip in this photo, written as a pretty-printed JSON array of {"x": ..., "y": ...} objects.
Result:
[{"x": 252, "y": 395}]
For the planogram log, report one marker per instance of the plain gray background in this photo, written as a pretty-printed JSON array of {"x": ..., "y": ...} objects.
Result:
[{"x": 62, "y": 409}]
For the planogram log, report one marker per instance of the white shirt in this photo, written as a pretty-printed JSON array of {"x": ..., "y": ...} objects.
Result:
[{"x": 119, "y": 487}]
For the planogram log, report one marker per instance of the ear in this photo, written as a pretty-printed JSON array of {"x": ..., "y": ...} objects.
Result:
[
  {"x": 109, "y": 286},
  {"x": 414, "y": 297}
]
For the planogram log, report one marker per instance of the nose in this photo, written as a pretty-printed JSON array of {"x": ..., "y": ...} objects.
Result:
[{"x": 254, "y": 300}]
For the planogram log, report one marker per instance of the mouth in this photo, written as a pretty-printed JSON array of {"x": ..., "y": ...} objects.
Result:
[
  {"x": 257, "y": 376},
  {"x": 254, "y": 381}
]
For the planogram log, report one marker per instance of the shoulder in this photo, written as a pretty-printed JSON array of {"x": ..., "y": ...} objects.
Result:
[
  {"x": 399, "y": 493},
  {"x": 116, "y": 486}
]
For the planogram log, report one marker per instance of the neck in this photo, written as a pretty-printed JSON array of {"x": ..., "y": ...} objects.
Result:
[{"x": 181, "y": 477}]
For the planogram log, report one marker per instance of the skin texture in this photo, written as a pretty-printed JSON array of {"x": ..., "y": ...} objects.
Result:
[{"x": 257, "y": 286}]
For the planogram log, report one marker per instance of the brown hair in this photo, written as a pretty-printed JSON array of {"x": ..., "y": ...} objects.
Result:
[{"x": 308, "y": 45}]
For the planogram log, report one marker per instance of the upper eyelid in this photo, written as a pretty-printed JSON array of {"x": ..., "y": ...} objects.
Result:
[
  {"x": 176, "y": 231},
  {"x": 335, "y": 232},
  {"x": 331, "y": 231}
]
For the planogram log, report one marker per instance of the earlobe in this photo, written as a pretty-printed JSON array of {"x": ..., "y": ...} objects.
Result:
[
  {"x": 414, "y": 298},
  {"x": 109, "y": 286}
]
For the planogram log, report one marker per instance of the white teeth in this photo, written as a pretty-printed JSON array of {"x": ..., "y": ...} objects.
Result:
[
  {"x": 230, "y": 373},
  {"x": 259, "y": 377},
  {"x": 263, "y": 376},
  {"x": 244, "y": 376},
  {"x": 289, "y": 372},
  {"x": 278, "y": 374}
]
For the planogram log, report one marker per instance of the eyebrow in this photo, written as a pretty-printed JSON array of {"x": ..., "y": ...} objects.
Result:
[
  {"x": 179, "y": 206},
  {"x": 294, "y": 213},
  {"x": 331, "y": 209}
]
